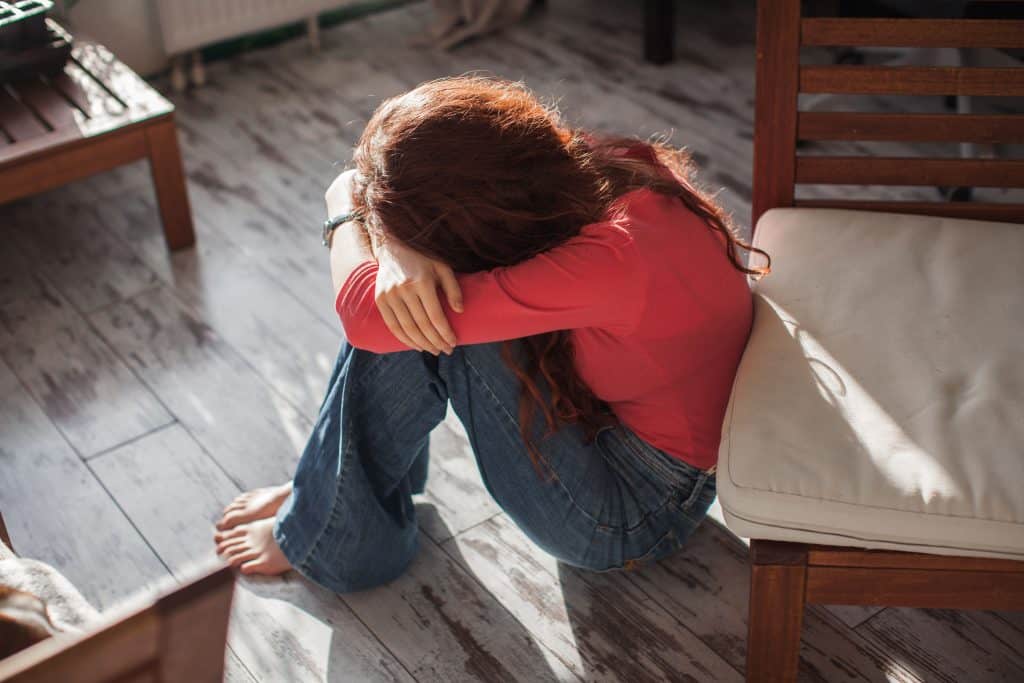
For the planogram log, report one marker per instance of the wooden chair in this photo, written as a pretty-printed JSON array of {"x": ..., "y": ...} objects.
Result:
[
  {"x": 181, "y": 636},
  {"x": 790, "y": 565}
]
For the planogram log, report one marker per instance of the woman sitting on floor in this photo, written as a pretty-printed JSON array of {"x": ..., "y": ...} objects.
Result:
[{"x": 595, "y": 307}]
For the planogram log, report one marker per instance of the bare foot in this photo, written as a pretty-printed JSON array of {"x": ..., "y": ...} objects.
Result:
[
  {"x": 253, "y": 505},
  {"x": 251, "y": 547}
]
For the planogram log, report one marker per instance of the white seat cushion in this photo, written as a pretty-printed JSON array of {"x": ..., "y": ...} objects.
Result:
[{"x": 880, "y": 400}]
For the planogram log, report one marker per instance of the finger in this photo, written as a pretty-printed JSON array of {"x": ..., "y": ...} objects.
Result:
[
  {"x": 412, "y": 330},
  {"x": 439, "y": 321},
  {"x": 391, "y": 320},
  {"x": 417, "y": 306},
  {"x": 451, "y": 288}
]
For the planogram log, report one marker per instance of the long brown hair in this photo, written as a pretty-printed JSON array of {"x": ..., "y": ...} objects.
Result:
[{"x": 477, "y": 173}]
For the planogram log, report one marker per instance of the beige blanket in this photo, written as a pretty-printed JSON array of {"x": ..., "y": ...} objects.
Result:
[
  {"x": 65, "y": 609},
  {"x": 460, "y": 20}
]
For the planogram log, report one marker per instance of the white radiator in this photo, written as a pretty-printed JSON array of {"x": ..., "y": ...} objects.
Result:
[{"x": 189, "y": 24}]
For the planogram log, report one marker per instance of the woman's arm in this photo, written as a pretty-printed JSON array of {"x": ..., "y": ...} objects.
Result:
[
  {"x": 594, "y": 280},
  {"x": 349, "y": 244},
  {"x": 405, "y": 290}
]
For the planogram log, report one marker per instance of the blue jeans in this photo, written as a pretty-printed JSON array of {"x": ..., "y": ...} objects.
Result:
[{"x": 350, "y": 523}]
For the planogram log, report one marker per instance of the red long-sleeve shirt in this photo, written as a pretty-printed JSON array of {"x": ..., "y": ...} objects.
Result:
[{"x": 659, "y": 317}]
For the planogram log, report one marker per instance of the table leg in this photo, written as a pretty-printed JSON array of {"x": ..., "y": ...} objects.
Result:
[{"x": 169, "y": 180}]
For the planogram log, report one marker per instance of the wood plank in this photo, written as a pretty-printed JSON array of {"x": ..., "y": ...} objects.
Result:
[
  {"x": 887, "y": 32},
  {"x": 30, "y": 306},
  {"x": 69, "y": 247},
  {"x": 946, "y": 646},
  {"x": 248, "y": 428},
  {"x": 47, "y": 103},
  {"x": 57, "y": 512},
  {"x": 599, "y": 625},
  {"x": 281, "y": 629},
  {"x": 1011, "y": 213},
  {"x": 912, "y": 80},
  {"x": 910, "y": 171},
  {"x": 853, "y": 615},
  {"x": 778, "y": 58},
  {"x": 706, "y": 588},
  {"x": 194, "y": 627},
  {"x": 85, "y": 658},
  {"x": 18, "y": 121},
  {"x": 83, "y": 93},
  {"x": 846, "y": 125},
  {"x": 44, "y": 168},
  {"x": 142, "y": 101},
  {"x": 85, "y": 389},
  {"x": 843, "y": 557},
  {"x": 916, "y": 588},
  {"x": 443, "y": 626}
]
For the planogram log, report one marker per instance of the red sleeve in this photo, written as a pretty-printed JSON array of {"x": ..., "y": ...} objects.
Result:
[{"x": 593, "y": 280}]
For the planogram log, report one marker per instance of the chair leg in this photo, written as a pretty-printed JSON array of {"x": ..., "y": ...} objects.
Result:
[
  {"x": 169, "y": 179},
  {"x": 5, "y": 537},
  {"x": 778, "y": 577},
  {"x": 659, "y": 31}
]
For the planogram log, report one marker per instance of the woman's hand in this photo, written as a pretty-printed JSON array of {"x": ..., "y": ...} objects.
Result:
[{"x": 407, "y": 297}]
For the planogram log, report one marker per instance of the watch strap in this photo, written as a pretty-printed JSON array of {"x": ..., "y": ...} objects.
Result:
[{"x": 332, "y": 223}]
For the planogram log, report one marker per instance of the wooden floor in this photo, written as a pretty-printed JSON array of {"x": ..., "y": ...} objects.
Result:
[{"x": 139, "y": 392}]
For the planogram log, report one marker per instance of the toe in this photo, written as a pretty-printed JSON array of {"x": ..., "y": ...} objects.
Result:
[
  {"x": 228, "y": 534},
  {"x": 252, "y": 566},
  {"x": 228, "y": 547},
  {"x": 241, "y": 555}
]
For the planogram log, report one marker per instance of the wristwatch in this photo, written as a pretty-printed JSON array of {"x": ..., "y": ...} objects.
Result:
[{"x": 332, "y": 223}]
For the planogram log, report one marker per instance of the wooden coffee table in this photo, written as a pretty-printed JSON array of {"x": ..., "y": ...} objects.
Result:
[{"x": 96, "y": 115}]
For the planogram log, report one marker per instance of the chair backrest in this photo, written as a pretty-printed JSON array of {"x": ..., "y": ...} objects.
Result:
[
  {"x": 179, "y": 637},
  {"x": 781, "y": 32}
]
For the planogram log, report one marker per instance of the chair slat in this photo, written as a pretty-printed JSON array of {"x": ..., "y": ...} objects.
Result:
[
  {"x": 926, "y": 588},
  {"x": 845, "y": 125},
  {"x": 912, "y": 80},
  {"x": 850, "y": 557},
  {"x": 910, "y": 171},
  {"x": 775, "y": 104},
  {"x": 912, "y": 32},
  {"x": 982, "y": 211}
]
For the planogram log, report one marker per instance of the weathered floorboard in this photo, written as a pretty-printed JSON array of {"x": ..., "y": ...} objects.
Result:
[
  {"x": 947, "y": 645},
  {"x": 250, "y": 429},
  {"x": 88, "y": 392},
  {"x": 599, "y": 625},
  {"x": 57, "y": 512},
  {"x": 282, "y": 629},
  {"x": 443, "y": 626},
  {"x": 71, "y": 248},
  {"x": 706, "y": 587}
]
